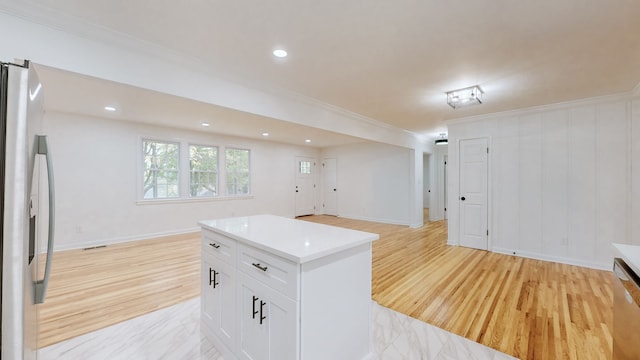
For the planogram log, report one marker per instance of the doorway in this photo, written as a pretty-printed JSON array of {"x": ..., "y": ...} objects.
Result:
[
  {"x": 474, "y": 155},
  {"x": 305, "y": 186},
  {"x": 445, "y": 187},
  {"x": 426, "y": 181}
]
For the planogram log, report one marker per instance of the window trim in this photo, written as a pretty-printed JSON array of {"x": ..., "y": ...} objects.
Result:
[
  {"x": 184, "y": 174},
  {"x": 192, "y": 200},
  {"x": 142, "y": 168}
]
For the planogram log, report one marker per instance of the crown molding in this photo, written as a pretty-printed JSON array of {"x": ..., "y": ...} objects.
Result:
[
  {"x": 548, "y": 107},
  {"x": 636, "y": 90}
]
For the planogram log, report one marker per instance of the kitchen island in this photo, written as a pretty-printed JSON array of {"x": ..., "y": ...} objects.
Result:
[
  {"x": 279, "y": 288},
  {"x": 630, "y": 254},
  {"x": 626, "y": 302}
]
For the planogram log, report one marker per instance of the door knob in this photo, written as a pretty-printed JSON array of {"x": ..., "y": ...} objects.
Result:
[{"x": 463, "y": 198}]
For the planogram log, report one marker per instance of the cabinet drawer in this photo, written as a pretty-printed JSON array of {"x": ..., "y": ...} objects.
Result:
[
  {"x": 274, "y": 271},
  {"x": 219, "y": 246}
]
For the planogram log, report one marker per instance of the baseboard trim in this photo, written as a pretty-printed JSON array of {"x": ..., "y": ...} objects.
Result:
[
  {"x": 384, "y": 221},
  {"x": 558, "y": 259},
  {"x": 122, "y": 239}
]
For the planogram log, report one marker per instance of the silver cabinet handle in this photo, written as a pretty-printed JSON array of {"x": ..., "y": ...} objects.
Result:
[{"x": 41, "y": 285}]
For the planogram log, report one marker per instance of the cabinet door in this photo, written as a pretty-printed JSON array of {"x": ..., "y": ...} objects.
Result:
[
  {"x": 268, "y": 322},
  {"x": 218, "y": 298}
]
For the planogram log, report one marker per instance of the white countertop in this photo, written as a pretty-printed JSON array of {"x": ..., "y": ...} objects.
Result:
[
  {"x": 296, "y": 240},
  {"x": 630, "y": 254}
]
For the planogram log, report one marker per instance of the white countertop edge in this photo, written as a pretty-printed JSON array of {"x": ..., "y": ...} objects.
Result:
[
  {"x": 630, "y": 254},
  {"x": 291, "y": 257},
  {"x": 296, "y": 259}
]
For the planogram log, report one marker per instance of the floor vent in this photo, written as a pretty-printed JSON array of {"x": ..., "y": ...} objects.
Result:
[{"x": 95, "y": 247}]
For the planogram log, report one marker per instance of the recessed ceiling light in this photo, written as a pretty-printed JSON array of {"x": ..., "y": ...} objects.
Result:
[
  {"x": 307, "y": 141},
  {"x": 279, "y": 53},
  {"x": 205, "y": 124},
  {"x": 265, "y": 134},
  {"x": 110, "y": 108}
]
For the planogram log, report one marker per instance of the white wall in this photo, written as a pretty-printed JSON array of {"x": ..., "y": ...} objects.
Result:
[
  {"x": 375, "y": 182},
  {"x": 96, "y": 166},
  {"x": 416, "y": 212},
  {"x": 563, "y": 179}
]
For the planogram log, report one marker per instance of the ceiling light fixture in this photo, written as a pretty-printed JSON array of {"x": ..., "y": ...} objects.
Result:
[
  {"x": 443, "y": 139},
  {"x": 110, "y": 108},
  {"x": 465, "y": 97},
  {"x": 205, "y": 124},
  {"x": 307, "y": 141},
  {"x": 279, "y": 53},
  {"x": 265, "y": 134}
]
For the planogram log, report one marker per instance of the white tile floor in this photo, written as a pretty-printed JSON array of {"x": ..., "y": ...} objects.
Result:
[{"x": 174, "y": 333}]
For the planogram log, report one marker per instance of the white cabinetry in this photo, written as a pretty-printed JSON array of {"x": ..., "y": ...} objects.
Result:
[
  {"x": 218, "y": 289},
  {"x": 277, "y": 288},
  {"x": 268, "y": 322},
  {"x": 218, "y": 297}
]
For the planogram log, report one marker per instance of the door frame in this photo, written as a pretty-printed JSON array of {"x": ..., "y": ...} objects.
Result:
[
  {"x": 314, "y": 179},
  {"x": 323, "y": 190},
  {"x": 489, "y": 204}
]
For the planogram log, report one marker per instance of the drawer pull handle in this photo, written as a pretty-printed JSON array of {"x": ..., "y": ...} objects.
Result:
[
  {"x": 213, "y": 245},
  {"x": 263, "y": 268},
  {"x": 262, "y": 304},
  {"x": 255, "y": 312},
  {"x": 213, "y": 280}
]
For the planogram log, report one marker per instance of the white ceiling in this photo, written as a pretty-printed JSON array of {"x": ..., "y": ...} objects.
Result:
[
  {"x": 74, "y": 93},
  {"x": 391, "y": 61}
]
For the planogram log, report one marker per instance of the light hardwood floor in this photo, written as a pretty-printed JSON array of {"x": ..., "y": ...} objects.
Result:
[
  {"x": 92, "y": 289},
  {"x": 526, "y": 308}
]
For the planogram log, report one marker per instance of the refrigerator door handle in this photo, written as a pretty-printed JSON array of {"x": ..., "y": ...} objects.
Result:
[{"x": 41, "y": 285}]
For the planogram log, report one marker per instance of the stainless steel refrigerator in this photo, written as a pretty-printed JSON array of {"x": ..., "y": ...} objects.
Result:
[{"x": 26, "y": 209}]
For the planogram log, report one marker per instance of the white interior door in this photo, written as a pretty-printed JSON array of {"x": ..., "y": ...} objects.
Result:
[
  {"x": 305, "y": 186},
  {"x": 330, "y": 188},
  {"x": 473, "y": 193},
  {"x": 445, "y": 191},
  {"x": 426, "y": 181}
]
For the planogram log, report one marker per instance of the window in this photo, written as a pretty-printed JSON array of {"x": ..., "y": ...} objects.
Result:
[
  {"x": 160, "y": 174},
  {"x": 237, "y": 170},
  {"x": 179, "y": 171},
  {"x": 305, "y": 167},
  {"x": 203, "y": 167}
]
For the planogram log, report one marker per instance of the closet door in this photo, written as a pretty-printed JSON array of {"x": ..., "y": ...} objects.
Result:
[{"x": 473, "y": 193}]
